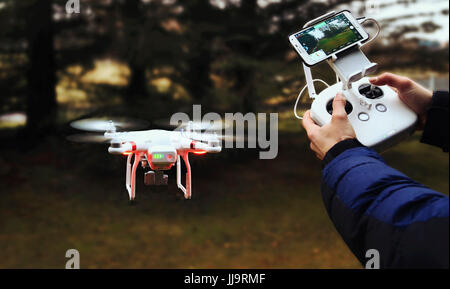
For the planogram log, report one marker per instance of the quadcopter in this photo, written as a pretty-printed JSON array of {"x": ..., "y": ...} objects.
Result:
[{"x": 155, "y": 150}]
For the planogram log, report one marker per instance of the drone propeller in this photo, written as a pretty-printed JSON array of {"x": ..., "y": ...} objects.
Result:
[
  {"x": 222, "y": 137},
  {"x": 88, "y": 138},
  {"x": 101, "y": 125},
  {"x": 193, "y": 125},
  {"x": 109, "y": 124}
]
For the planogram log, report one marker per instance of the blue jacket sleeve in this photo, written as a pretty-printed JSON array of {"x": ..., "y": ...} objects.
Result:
[
  {"x": 374, "y": 206},
  {"x": 436, "y": 127}
]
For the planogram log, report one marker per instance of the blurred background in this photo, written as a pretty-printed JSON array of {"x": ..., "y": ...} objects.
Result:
[{"x": 148, "y": 59}]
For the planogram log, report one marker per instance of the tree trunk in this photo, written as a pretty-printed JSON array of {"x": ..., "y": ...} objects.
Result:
[
  {"x": 137, "y": 86},
  {"x": 198, "y": 79},
  {"x": 41, "y": 95},
  {"x": 134, "y": 22}
]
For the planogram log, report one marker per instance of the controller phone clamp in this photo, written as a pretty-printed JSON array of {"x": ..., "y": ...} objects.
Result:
[{"x": 378, "y": 116}]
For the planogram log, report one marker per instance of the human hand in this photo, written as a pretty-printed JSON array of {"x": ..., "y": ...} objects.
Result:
[
  {"x": 415, "y": 96},
  {"x": 338, "y": 129}
]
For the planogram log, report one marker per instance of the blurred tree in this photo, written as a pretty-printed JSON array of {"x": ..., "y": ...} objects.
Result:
[
  {"x": 12, "y": 57},
  {"x": 191, "y": 42},
  {"x": 40, "y": 38},
  {"x": 41, "y": 96},
  {"x": 80, "y": 38},
  {"x": 144, "y": 40},
  {"x": 202, "y": 23},
  {"x": 246, "y": 35},
  {"x": 255, "y": 34},
  {"x": 133, "y": 16}
]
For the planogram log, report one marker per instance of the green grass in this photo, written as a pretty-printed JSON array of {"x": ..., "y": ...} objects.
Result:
[
  {"x": 235, "y": 219},
  {"x": 328, "y": 44}
]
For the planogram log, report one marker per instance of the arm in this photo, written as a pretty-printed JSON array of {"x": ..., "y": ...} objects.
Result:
[
  {"x": 376, "y": 207},
  {"x": 436, "y": 127}
]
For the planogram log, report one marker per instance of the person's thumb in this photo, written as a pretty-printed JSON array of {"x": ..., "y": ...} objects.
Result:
[
  {"x": 399, "y": 82},
  {"x": 339, "y": 112}
]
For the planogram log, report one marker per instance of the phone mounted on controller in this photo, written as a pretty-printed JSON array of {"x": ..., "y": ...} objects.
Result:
[{"x": 380, "y": 119}]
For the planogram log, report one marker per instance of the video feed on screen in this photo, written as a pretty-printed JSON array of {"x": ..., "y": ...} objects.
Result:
[{"x": 329, "y": 36}]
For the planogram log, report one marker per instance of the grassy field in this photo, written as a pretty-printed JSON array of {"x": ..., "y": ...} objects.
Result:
[
  {"x": 245, "y": 212},
  {"x": 328, "y": 44}
]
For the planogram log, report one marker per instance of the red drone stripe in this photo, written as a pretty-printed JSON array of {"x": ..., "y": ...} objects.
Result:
[{"x": 133, "y": 145}]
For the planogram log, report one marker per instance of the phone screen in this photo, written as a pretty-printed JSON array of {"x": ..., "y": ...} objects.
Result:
[{"x": 328, "y": 37}]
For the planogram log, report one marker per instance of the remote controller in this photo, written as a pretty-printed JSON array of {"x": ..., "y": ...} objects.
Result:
[{"x": 378, "y": 116}]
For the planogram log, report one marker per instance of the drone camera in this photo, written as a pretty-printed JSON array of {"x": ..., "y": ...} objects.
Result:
[{"x": 155, "y": 178}]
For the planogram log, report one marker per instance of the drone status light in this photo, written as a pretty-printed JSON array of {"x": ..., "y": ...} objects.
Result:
[{"x": 158, "y": 156}]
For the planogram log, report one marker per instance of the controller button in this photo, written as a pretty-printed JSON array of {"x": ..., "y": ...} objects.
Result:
[
  {"x": 348, "y": 107},
  {"x": 381, "y": 107},
  {"x": 370, "y": 91},
  {"x": 377, "y": 92},
  {"x": 363, "y": 116},
  {"x": 364, "y": 88},
  {"x": 370, "y": 95}
]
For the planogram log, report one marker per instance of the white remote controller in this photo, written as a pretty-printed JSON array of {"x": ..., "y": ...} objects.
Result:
[{"x": 380, "y": 119}]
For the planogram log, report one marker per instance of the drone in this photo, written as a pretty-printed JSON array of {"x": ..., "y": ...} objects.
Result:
[{"x": 155, "y": 150}]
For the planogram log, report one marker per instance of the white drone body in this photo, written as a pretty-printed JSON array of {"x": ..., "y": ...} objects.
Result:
[{"x": 160, "y": 150}]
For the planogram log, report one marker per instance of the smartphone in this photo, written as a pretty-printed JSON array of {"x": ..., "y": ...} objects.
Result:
[{"x": 318, "y": 42}]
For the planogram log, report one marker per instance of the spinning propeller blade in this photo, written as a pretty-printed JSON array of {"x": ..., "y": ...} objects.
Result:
[
  {"x": 223, "y": 137},
  {"x": 108, "y": 124},
  {"x": 102, "y": 125},
  {"x": 193, "y": 125},
  {"x": 88, "y": 138}
]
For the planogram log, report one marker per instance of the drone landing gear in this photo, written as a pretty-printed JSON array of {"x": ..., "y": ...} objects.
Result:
[
  {"x": 131, "y": 174},
  {"x": 156, "y": 177},
  {"x": 186, "y": 190}
]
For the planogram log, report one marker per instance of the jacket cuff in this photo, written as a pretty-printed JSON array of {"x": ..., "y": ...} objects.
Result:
[
  {"x": 436, "y": 127},
  {"x": 339, "y": 148}
]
